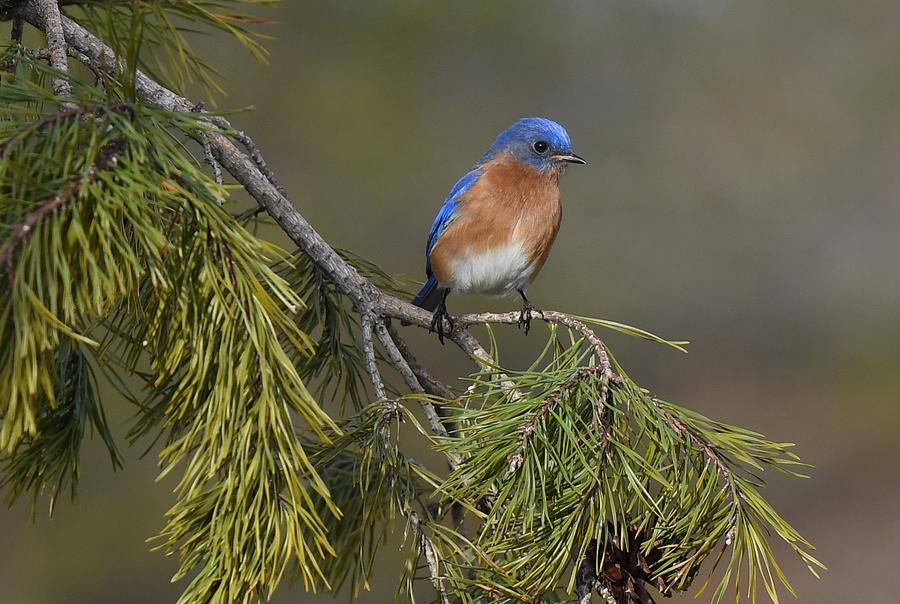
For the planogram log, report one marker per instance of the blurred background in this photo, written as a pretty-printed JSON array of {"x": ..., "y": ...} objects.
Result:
[{"x": 742, "y": 192}]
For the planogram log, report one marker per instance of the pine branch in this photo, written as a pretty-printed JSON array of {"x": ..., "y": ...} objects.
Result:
[
  {"x": 580, "y": 464},
  {"x": 137, "y": 233},
  {"x": 365, "y": 297},
  {"x": 430, "y": 557},
  {"x": 51, "y": 460},
  {"x": 526, "y": 431},
  {"x": 105, "y": 160}
]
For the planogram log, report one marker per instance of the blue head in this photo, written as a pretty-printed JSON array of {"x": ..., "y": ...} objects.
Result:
[{"x": 538, "y": 142}]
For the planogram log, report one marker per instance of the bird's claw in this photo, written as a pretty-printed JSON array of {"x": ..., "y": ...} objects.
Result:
[
  {"x": 437, "y": 322},
  {"x": 525, "y": 316}
]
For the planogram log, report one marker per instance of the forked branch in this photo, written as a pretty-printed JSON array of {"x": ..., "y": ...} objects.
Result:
[
  {"x": 229, "y": 150},
  {"x": 251, "y": 171}
]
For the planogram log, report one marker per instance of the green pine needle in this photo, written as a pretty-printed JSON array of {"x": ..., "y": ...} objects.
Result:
[
  {"x": 115, "y": 242},
  {"x": 566, "y": 466},
  {"x": 118, "y": 254}
]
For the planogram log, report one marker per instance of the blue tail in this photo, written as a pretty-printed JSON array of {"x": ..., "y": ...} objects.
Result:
[{"x": 429, "y": 296}]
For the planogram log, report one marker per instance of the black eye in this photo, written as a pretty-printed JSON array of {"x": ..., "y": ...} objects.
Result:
[{"x": 540, "y": 147}]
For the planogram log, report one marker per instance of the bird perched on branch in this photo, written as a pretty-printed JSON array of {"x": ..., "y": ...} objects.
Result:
[{"x": 496, "y": 227}]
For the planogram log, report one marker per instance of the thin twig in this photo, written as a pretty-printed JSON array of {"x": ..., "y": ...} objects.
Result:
[
  {"x": 44, "y": 54},
  {"x": 210, "y": 157},
  {"x": 699, "y": 443},
  {"x": 429, "y": 383},
  {"x": 396, "y": 359},
  {"x": 402, "y": 367},
  {"x": 213, "y": 163},
  {"x": 106, "y": 160},
  {"x": 369, "y": 356},
  {"x": 430, "y": 557},
  {"x": 257, "y": 157},
  {"x": 709, "y": 451},
  {"x": 21, "y": 231},
  {"x": 555, "y": 318},
  {"x": 434, "y": 388},
  {"x": 517, "y": 458}
]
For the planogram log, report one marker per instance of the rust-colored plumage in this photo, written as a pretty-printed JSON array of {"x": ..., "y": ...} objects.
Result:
[{"x": 512, "y": 204}]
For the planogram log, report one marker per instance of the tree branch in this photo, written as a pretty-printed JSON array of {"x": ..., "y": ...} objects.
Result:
[
  {"x": 429, "y": 383},
  {"x": 375, "y": 307},
  {"x": 252, "y": 173},
  {"x": 555, "y": 318},
  {"x": 430, "y": 558},
  {"x": 396, "y": 359},
  {"x": 369, "y": 357},
  {"x": 51, "y": 19}
]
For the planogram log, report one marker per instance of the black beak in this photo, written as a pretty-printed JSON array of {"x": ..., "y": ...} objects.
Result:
[{"x": 571, "y": 158}]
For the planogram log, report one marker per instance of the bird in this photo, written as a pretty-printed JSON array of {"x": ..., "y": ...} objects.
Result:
[{"x": 495, "y": 230}]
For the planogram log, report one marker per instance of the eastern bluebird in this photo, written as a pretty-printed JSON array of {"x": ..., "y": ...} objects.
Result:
[{"x": 495, "y": 229}]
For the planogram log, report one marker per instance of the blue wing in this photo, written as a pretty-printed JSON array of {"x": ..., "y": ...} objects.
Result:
[{"x": 448, "y": 212}]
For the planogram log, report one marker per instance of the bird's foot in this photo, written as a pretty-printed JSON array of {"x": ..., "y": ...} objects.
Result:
[
  {"x": 437, "y": 322},
  {"x": 525, "y": 315}
]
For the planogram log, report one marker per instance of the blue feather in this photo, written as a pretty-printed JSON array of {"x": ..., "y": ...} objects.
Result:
[
  {"x": 517, "y": 137},
  {"x": 448, "y": 211}
]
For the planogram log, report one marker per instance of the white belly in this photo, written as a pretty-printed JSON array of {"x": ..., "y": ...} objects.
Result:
[{"x": 498, "y": 271}]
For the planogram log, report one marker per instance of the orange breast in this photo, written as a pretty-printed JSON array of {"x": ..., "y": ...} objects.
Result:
[{"x": 510, "y": 202}]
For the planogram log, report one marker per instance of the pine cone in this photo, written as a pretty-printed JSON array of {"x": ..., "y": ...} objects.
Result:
[{"x": 626, "y": 572}]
